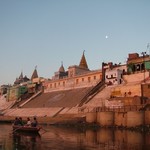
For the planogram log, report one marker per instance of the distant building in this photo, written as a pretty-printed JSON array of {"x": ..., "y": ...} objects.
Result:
[
  {"x": 15, "y": 92},
  {"x": 35, "y": 74},
  {"x": 76, "y": 76},
  {"x": 21, "y": 79},
  {"x": 36, "y": 82},
  {"x": 136, "y": 63},
  {"x": 61, "y": 73},
  {"x": 114, "y": 73},
  {"x": 3, "y": 89},
  {"x": 24, "y": 85}
]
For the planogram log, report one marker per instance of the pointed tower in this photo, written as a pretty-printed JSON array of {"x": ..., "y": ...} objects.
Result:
[
  {"x": 83, "y": 63},
  {"x": 21, "y": 75},
  {"x": 35, "y": 74},
  {"x": 61, "y": 69}
]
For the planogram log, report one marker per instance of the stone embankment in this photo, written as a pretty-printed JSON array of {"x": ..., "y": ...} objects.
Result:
[
  {"x": 131, "y": 120},
  {"x": 125, "y": 120}
]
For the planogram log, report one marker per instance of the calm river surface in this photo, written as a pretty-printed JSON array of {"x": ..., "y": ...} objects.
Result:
[{"x": 58, "y": 138}]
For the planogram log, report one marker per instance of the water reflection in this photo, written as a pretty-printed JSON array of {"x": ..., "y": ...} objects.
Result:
[
  {"x": 58, "y": 138},
  {"x": 26, "y": 141}
]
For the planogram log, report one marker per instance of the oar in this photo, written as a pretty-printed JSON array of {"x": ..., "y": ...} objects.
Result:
[
  {"x": 16, "y": 129},
  {"x": 43, "y": 129}
]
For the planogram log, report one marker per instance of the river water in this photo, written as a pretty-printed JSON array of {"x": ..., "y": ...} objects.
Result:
[{"x": 66, "y": 138}]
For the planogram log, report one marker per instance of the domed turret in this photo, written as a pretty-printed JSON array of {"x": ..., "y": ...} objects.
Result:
[{"x": 61, "y": 69}]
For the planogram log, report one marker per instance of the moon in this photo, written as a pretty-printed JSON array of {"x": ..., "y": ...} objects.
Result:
[{"x": 106, "y": 36}]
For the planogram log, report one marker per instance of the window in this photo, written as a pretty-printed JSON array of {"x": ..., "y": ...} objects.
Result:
[
  {"x": 94, "y": 77},
  {"x": 77, "y": 80},
  {"x": 89, "y": 79},
  {"x": 82, "y": 79}
]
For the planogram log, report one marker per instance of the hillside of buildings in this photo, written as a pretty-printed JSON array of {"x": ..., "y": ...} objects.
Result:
[{"x": 80, "y": 90}]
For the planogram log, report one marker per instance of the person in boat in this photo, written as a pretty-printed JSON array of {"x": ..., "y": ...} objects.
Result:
[
  {"x": 34, "y": 122},
  {"x": 28, "y": 122},
  {"x": 20, "y": 122},
  {"x": 16, "y": 122}
]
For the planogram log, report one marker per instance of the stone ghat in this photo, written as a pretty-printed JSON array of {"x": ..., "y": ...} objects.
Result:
[{"x": 124, "y": 120}]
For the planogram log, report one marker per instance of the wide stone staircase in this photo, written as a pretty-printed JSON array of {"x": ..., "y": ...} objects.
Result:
[
  {"x": 4, "y": 104},
  {"x": 67, "y": 98},
  {"x": 66, "y": 102},
  {"x": 50, "y": 104}
]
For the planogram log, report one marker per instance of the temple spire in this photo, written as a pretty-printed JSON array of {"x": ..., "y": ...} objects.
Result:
[
  {"x": 21, "y": 75},
  {"x": 35, "y": 74},
  {"x": 83, "y": 63},
  {"x": 61, "y": 69}
]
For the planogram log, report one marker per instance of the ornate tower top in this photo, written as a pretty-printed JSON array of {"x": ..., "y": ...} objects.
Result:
[
  {"x": 61, "y": 69},
  {"x": 83, "y": 63},
  {"x": 35, "y": 74},
  {"x": 21, "y": 75}
]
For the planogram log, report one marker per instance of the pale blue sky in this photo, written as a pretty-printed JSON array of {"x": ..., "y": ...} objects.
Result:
[{"x": 46, "y": 32}]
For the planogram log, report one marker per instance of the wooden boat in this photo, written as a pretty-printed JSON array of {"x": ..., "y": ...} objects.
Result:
[{"x": 27, "y": 129}]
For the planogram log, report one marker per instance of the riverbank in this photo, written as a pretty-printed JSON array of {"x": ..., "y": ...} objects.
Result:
[
  {"x": 75, "y": 122},
  {"x": 47, "y": 120}
]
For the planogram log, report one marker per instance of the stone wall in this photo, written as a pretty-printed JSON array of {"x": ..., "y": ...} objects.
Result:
[
  {"x": 137, "y": 77},
  {"x": 83, "y": 80},
  {"x": 124, "y": 119},
  {"x": 130, "y": 90}
]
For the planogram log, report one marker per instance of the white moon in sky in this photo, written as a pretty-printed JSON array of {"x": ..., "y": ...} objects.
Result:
[{"x": 106, "y": 36}]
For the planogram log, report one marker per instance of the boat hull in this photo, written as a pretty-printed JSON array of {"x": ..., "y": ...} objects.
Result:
[{"x": 26, "y": 129}]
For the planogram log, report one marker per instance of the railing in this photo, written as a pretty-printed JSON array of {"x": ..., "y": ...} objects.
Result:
[
  {"x": 113, "y": 109},
  {"x": 92, "y": 93},
  {"x": 120, "y": 109}
]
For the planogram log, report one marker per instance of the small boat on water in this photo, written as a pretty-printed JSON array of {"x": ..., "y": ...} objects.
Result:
[{"x": 27, "y": 129}]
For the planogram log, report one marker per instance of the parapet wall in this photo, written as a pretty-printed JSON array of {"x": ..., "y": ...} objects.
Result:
[{"x": 137, "y": 77}]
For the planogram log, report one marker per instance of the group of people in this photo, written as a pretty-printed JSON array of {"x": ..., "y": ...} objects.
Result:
[{"x": 19, "y": 122}]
